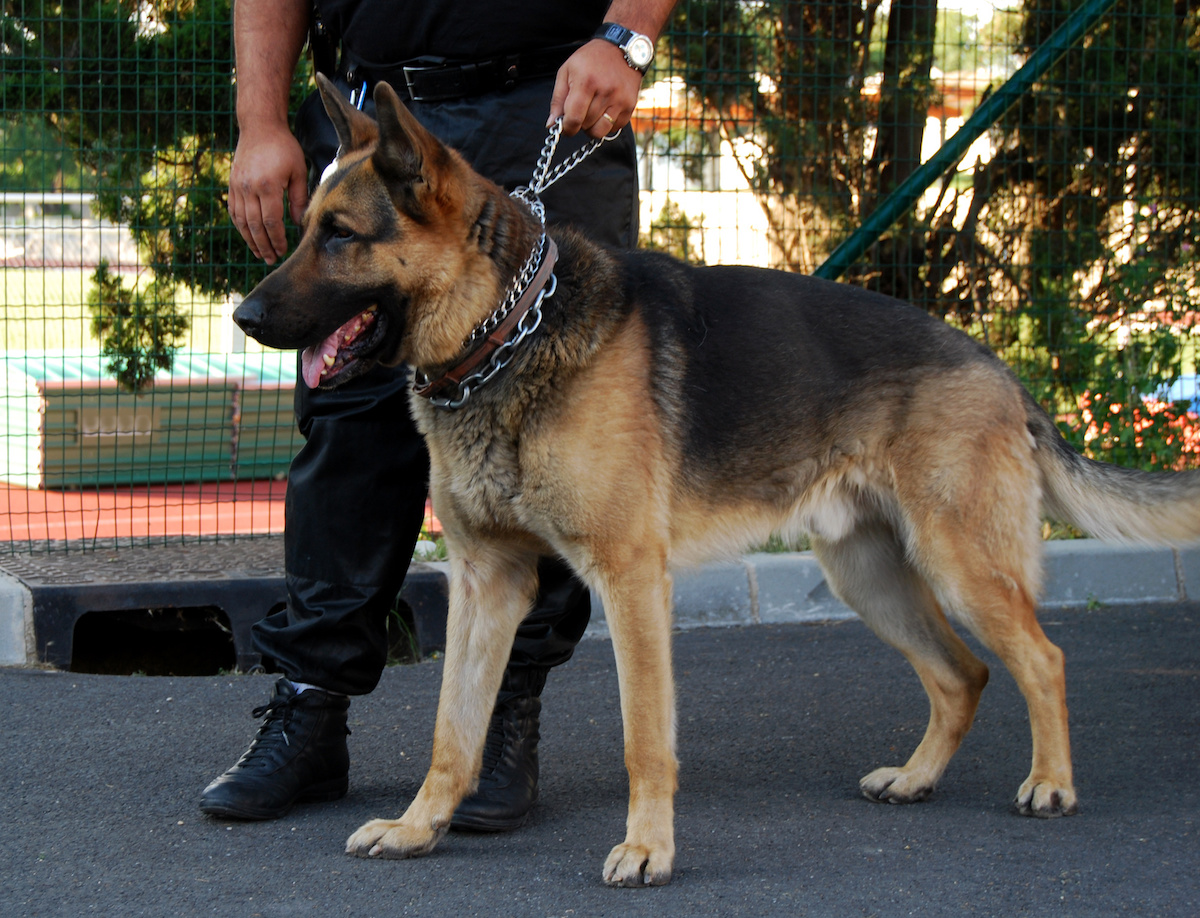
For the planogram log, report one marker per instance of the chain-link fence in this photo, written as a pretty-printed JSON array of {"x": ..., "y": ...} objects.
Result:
[{"x": 769, "y": 132}]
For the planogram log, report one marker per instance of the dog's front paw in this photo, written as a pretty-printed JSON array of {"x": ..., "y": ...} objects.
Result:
[
  {"x": 393, "y": 838},
  {"x": 895, "y": 785},
  {"x": 1046, "y": 800},
  {"x": 636, "y": 865}
]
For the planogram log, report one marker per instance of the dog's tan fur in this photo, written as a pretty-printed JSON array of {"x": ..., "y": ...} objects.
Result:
[{"x": 918, "y": 466}]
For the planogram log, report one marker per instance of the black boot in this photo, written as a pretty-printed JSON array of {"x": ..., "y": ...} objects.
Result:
[
  {"x": 508, "y": 781},
  {"x": 299, "y": 755}
]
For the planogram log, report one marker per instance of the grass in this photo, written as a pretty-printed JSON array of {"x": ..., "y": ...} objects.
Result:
[
  {"x": 777, "y": 544},
  {"x": 402, "y": 639},
  {"x": 45, "y": 309}
]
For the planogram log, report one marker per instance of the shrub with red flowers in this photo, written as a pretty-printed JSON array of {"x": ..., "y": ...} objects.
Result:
[{"x": 1162, "y": 434}]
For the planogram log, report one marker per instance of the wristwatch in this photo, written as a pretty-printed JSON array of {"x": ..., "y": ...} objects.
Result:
[{"x": 637, "y": 48}]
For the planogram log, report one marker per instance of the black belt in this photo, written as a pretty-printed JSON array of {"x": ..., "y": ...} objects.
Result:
[{"x": 435, "y": 79}]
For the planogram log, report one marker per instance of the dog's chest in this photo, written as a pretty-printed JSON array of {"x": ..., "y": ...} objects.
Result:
[{"x": 477, "y": 463}]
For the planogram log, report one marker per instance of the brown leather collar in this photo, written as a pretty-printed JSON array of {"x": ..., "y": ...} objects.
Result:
[{"x": 473, "y": 359}]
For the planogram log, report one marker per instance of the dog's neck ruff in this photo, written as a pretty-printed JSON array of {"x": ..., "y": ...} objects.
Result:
[{"x": 488, "y": 349}]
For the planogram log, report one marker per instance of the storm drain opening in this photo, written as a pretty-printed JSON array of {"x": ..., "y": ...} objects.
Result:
[{"x": 154, "y": 642}]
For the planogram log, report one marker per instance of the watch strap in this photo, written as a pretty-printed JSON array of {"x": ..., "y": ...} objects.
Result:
[{"x": 620, "y": 36}]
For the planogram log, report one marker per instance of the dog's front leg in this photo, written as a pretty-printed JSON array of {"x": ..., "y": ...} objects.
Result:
[
  {"x": 489, "y": 595},
  {"x": 637, "y": 605}
]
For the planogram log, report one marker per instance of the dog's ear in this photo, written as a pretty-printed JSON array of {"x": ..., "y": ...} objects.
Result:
[
  {"x": 406, "y": 154},
  {"x": 354, "y": 129}
]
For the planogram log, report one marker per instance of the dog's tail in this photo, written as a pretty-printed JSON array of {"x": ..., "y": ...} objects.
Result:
[{"x": 1110, "y": 502}]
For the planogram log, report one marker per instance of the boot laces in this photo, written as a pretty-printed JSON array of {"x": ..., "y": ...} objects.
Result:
[{"x": 278, "y": 724}]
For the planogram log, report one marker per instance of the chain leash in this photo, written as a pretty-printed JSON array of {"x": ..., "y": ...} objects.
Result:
[{"x": 543, "y": 177}]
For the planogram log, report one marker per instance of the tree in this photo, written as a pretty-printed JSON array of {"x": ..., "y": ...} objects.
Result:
[
  {"x": 34, "y": 158},
  {"x": 675, "y": 233},
  {"x": 1084, "y": 224},
  {"x": 139, "y": 332},
  {"x": 142, "y": 92},
  {"x": 785, "y": 80},
  {"x": 1085, "y": 219}
]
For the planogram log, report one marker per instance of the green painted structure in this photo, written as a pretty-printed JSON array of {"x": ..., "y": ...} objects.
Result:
[{"x": 64, "y": 423}]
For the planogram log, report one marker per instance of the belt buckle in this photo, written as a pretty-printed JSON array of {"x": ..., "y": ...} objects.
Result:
[{"x": 417, "y": 66}]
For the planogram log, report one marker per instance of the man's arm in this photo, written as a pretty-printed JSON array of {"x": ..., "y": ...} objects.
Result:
[
  {"x": 597, "y": 90},
  {"x": 268, "y": 164}
]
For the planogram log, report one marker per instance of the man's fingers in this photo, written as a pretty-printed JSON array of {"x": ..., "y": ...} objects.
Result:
[
  {"x": 581, "y": 110},
  {"x": 298, "y": 196},
  {"x": 268, "y": 179},
  {"x": 237, "y": 213},
  {"x": 256, "y": 233},
  {"x": 259, "y": 218},
  {"x": 604, "y": 118},
  {"x": 595, "y": 82},
  {"x": 562, "y": 86}
]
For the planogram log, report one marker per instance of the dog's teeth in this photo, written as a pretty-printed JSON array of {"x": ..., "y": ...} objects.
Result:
[{"x": 329, "y": 360}]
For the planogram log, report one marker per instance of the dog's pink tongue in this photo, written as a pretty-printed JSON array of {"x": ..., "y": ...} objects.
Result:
[
  {"x": 312, "y": 360},
  {"x": 315, "y": 360}
]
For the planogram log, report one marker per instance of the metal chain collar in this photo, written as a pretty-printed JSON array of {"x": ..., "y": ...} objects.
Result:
[
  {"x": 523, "y": 279},
  {"x": 543, "y": 178},
  {"x": 502, "y": 357}
]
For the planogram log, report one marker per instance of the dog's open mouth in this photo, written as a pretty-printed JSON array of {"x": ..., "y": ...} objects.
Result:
[{"x": 322, "y": 363}]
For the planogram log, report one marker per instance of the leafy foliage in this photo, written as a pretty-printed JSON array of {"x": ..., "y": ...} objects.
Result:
[
  {"x": 36, "y": 159},
  {"x": 143, "y": 93},
  {"x": 1087, "y": 223},
  {"x": 785, "y": 78},
  {"x": 1071, "y": 251},
  {"x": 139, "y": 332},
  {"x": 675, "y": 233}
]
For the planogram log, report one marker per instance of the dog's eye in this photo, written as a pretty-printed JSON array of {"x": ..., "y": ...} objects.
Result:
[{"x": 338, "y": 237}]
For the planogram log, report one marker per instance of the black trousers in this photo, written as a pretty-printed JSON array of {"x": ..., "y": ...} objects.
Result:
[{"x": 356, "y": 491}]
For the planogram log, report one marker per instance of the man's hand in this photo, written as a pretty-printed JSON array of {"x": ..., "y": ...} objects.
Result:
[
  {"x": 596, "y": 90},
  {"x": 268, "y": 167}
]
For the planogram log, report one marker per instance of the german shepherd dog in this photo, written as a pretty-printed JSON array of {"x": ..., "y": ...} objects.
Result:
[{"x": 664, "y": 414}]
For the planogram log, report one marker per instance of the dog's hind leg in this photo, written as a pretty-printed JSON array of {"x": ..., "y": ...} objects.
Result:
[
  {"x": 991, "y": 594},
  {"x": 868, "y": 570},
  {"x": 490, "y": 592},
  {"x": 637, "y": 604},
  {"x": 980, "y": 548}
]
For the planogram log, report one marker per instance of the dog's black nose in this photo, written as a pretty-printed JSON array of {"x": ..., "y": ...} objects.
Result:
[{"x": 249, "y": 316}]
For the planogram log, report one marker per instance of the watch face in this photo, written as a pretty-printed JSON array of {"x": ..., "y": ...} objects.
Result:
[{"x": 641, "y": 51}]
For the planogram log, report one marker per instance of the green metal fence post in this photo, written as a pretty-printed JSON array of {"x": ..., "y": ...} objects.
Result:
[{"x": 1078, "y": 24}]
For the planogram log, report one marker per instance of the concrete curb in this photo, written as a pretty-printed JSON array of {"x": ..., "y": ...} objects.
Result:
[
  {"x": 17, "y": 645},
  {"x": 790, "y": 587}
]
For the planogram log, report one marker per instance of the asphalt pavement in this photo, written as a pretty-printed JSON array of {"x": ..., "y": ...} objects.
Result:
[{"x": 100, "y": 777}]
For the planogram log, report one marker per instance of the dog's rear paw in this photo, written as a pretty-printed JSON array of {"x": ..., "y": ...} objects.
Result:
[
  {"x": 1045, "y": 800},
  {"x": 895, "y": 785},
  {"x": 392, "y": 838},
  {"x": 637, "y": 865}
]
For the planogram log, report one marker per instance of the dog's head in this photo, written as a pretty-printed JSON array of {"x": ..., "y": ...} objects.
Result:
[{"x": 396, "y": 261}]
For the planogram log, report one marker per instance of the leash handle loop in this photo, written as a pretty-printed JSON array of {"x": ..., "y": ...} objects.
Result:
[{"x": 543, "y": 175}]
